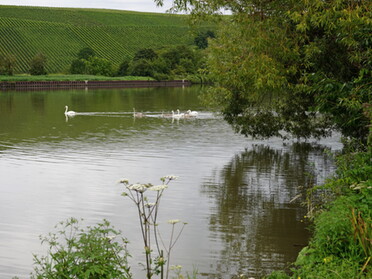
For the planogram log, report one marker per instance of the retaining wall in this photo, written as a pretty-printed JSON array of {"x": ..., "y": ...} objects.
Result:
[{"x": 40, "y": 85}]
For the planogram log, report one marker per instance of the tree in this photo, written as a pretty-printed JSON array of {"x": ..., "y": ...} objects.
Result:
[
  {"x": 201, "y": 40},
  {"x": 141, "y": 67},
  {"x": 98, "y": 66},
  {"x": 146, "y": 53},
  {"x": 7, "y": 64},
  {"x": 37, "y": 65},
  {"x": 123, "y": 68},
  {"x": 86, "y": 53},
  {"x": 278, "y": 63},
  {"x": 78, "y": 66}
]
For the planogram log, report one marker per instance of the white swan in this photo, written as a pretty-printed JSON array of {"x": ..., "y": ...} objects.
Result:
[
  {"x": 181, "y": 115},
  {"x": 69, "y": 112},
  {"x": 176, "y": 116},
  {"x": 137, "y": 114},
  {"x": 192, "y": 113}
]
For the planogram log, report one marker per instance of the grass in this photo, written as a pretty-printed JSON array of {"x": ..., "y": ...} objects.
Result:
[
  {"x": 59, "y": 77},
  {"x": 59, "y": 33}
]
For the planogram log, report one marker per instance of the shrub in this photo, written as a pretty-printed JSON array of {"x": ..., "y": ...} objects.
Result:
[
  {"x": 123, "y": 69},
  {"x": 86, "y": 53},
  {"x": 37, "y": 65},
  {"x": 201, "y": 40},
  {"x": 142, "y": 67},
  {"x": 78, "y": 66},
  {"x": 99, "y": 66},
  {"x": 7, "y": 64},
  {"x": 83, "y": 253},
  {"x": 146, "y": 53}
]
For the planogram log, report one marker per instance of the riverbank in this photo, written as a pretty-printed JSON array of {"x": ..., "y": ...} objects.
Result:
[
  {"x": 25, "y": 82},
  {"x": 341, "y": 211}
]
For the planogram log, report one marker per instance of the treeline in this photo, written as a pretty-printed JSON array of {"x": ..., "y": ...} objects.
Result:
[{"x": 162, "y": 64}]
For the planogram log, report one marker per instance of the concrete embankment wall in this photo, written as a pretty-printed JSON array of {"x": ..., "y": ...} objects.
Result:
[{"x": 42, "y": 85}]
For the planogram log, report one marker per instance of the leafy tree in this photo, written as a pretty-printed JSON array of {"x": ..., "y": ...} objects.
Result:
[
  {"x": 86, "y": 53},
  {"x": 142, "y": 67},
  {"x": 146, "y": 53},
  {"x": 98, "y": 66},
  {"x": 123, "y": 68},
  {"x": 75, "y": 252},
  {"x": 277, "y": 64},
  {"x": 7, "y": 64},
  {"x": 201, "y": 40},
  {"x": 174, "y": 55},
  {"x": 78, "y": 66},
  {"x": 37, "y": 65}
]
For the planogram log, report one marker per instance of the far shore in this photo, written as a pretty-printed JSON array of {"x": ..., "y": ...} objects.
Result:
[
  {"x": 84, "y": 82},
  {"x": 62, "y": 77}
]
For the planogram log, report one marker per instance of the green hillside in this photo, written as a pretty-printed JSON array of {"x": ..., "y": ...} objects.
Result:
[{"x": 59, "y": 33}]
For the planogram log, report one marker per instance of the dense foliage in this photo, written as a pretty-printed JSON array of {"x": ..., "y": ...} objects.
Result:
[
  {"x": 165, "y": 63},
  {"x": 7, "y": 64},
  {"x": 75, "y": 252},
  {"x": 277, "y": 64},
  {"x": 38, "y": 65}
]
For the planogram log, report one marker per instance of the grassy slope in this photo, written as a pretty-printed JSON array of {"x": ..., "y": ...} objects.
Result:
[{"x": 60, "y": 33}]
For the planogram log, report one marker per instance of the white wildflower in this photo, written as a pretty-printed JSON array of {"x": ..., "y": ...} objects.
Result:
[
  {"x": 158, "y": 187},
  {"x": 124, "y": 181},
  {"x": 137, "y": 187},
  {"x": 110, "y": 237},
  {"x": 150, "y": 204},
  {"x": 170, "y": 177},
  {"x": 174, "y": 221}
]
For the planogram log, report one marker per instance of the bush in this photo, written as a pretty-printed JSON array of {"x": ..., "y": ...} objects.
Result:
[
  {"x": 99, "y": 66},
  {"x": 201, "y": 40},
  {"x": 341, "y": 246},
  {"x": 123, "y": 69},
  {"x": 83, "y": 253},
  {"x": 78, "y": 66},
  {"x": 37, "y": 65},
  {"x": 7, "y": 64},
  {"x": 86, "y": 53},
  {"x": 142, "y": 68},
  {"x": 146, "y": 53}
]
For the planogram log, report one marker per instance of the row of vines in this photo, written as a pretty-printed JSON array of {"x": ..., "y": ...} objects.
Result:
[{"x": 24, "y": 34}]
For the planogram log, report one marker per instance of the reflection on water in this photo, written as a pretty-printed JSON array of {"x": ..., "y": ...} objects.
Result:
[
  {"x": 234, "y": 192},
  {"x": 261, "y": 229}
]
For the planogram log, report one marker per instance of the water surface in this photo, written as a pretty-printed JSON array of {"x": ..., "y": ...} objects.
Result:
[{"x": 233, "y": 191}]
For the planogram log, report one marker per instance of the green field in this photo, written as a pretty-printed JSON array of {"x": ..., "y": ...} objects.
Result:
[{"x": 59, "y": 33}]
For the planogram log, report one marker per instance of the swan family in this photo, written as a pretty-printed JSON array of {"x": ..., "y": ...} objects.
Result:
[{"x": 178, "y": 115}]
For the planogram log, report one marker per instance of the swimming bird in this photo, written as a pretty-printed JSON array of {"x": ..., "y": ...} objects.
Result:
[
  {"x": 176, "y": 116},
  {"x": 192, "y": 113},
  {"x": 69, "y": 112},
  {"x": 137, "y": 114},
  {"x": 181, "y": 115}
]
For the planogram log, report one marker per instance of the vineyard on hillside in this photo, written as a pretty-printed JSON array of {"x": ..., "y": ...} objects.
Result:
[{"x": 59, "y": 33}]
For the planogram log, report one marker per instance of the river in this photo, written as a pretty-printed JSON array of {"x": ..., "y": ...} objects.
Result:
[{"x": 234, "y": 192}]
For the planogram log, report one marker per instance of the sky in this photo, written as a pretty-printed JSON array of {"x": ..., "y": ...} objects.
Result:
[{"x": 132, "y": 5}]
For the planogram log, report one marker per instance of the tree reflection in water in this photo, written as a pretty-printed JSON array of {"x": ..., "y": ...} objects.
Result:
[{"x": 259, "y": 228}]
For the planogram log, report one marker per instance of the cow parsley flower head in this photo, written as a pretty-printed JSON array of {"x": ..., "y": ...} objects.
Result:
[
  {"x": 124, "y": 181},
  {"x": 158, "y": 187},
  {"x": 173, "y": 221},
  {"x": 170, "y": 177},
  {"x": 137, "y": 187}
]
